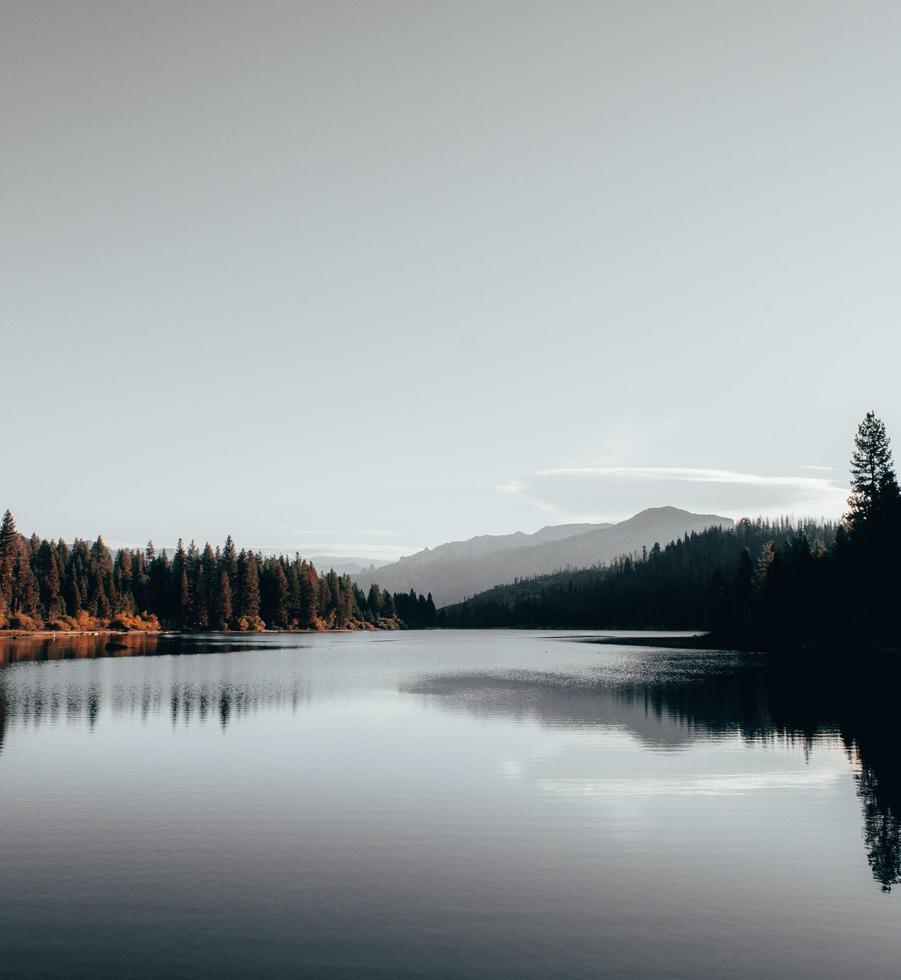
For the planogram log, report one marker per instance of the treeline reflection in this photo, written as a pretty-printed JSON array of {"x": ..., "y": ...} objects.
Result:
[
  {"x": 669, "y": 699},
  {"x": 184, "y": 701},
  {"x": 666, "y": 698},
  {"x": 93, "y": 646},
  {"x": 40, "y": 698}
]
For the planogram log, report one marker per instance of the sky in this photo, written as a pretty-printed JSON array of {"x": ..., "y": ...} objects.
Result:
[{"x": 360, "y": 278}]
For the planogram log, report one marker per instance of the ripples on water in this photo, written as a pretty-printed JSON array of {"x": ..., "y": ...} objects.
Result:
[{"x": 442, "y": 804}]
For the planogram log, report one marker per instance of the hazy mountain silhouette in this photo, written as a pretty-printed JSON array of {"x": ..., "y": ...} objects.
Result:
[
  {"x": 453, "y": 571},
  {"x": 345, "y": 565}
]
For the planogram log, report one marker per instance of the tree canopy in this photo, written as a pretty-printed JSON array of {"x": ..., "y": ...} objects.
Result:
[{"x": 85, "y": 586}]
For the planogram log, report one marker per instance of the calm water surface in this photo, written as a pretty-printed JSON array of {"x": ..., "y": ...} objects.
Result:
[{"x": 443, "y": 804}]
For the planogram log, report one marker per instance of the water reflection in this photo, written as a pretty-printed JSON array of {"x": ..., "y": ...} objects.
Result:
[
  {"x": 39, "y": 698},
  {"x": 184, "y": 702},
  {"x": 670, "y": 699},
  {"x": 666, "y": 699},
  {"x": 92, "y": 646}
]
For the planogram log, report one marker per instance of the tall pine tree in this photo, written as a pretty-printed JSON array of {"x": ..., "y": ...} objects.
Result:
[{"x": 874, "y": 486}]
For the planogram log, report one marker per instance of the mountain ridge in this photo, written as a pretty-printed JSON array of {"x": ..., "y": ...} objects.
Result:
[{"x": 457, "y": 569}]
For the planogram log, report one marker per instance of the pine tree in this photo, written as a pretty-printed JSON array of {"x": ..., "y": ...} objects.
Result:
[
  {"x": 140, "y": 581},
  {"x": 205, "y": 584},
  {"x": 308, "y": 595},
  {"x": 874, "y": 524},
  {"x": 249, "y": 593},
  {"x": 180, "y": 598},
  {"x": 374, "y": 601},
  {"x": 99, "y": 604},
  {"x": 874, "y": 486},
  {"x": 56, "y": 604},
  {"x": 27, "y": 592},
  {"x": 346, "y": 600},
  {"x": 222, "y": 611},
  {"x": 324, "y": 598},
  {"x": 388, "y": 607},
  {"x": 229, "y": 561},
  {"x": 73, "y": 596},
  {"x": 159, "y": 585},
  {"x": 332, "y": 610},
  {"x": 9, "y": 546},
  {"x": 183, "y": 599},
  {"x": 278, "y": 595}
]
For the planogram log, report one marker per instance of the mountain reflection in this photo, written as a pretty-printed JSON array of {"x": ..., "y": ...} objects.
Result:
[{"x": 669, "y": 699}]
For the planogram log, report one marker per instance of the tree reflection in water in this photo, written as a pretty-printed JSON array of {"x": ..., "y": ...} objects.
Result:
[
  {"x": 664, "y": 697},
  {"x": 673, "y": 697}
]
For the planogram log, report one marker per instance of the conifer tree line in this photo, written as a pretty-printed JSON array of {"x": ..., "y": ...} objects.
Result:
[
  {"x": 836, "y": 579},
  {"x": 50, "y": 584},
  {"x": 842, "y": 578}
]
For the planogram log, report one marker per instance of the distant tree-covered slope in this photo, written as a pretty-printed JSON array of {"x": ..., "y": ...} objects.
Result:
[
  {"x": 690, "y": 582},
  {"x": 454, "y": 571},
  {"x": 826, "y": 579}
]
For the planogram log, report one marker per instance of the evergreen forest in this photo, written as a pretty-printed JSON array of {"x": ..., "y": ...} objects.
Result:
[
  {"x": 84, "y": 586},
  {"x": 816, "y": 578}
]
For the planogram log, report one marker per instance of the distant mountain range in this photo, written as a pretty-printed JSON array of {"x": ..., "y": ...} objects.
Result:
[
  {"x": 345, "y": 565},
  {"x": 453, "y": 571}
]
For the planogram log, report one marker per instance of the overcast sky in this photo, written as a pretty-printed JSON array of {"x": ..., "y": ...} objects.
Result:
[{"x": 364, "y": 277}]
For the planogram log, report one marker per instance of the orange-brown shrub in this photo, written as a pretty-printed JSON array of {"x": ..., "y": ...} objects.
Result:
[
  {"x": 251, "y": 624},
  {"x": 142, "y": 622},
  {"x": 63, "y": 624},
  {"x": 21, "y": 621},
  {"x": 85, "y": 621}
]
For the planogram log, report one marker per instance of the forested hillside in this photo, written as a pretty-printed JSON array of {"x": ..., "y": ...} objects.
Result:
[
  {"x": 832, "y": 579},
  {"x": 703, "y": 577},
  {"x": 454, "y": 571},
  {"x": 85, "y": 586}
]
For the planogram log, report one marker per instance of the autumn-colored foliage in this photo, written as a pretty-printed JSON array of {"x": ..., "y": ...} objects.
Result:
[
  {"x": 85, "y": 587},
  {"x": 141, "y": 623},
  {"x": 21, "y": 621}
]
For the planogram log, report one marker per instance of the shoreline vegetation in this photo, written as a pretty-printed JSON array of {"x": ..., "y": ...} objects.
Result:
[
  {"x": 50, "y": 586},
  {"x": 47, "y": 634}
]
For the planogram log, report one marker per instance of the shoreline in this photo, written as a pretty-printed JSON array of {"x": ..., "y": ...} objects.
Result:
[
  {"x": 750, "y": 642},
  {"x": 63, "y": 634}
]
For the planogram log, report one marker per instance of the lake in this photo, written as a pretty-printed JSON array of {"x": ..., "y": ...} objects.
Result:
[{"x": 445, "y": 804}]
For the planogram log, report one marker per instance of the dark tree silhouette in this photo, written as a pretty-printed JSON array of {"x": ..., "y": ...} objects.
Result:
[{"x": 874, "y": 487}]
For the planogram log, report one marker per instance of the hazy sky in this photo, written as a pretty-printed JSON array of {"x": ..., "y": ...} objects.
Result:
[{"x": 368, "y": 276}]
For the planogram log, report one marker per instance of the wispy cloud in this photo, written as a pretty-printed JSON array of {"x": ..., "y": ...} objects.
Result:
[
  {"x": 518, "y": 488},
  {"x": 689, "y": 474},
  {"x": 598, "y": 493},
  {"x": 512, "y": 487}
]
